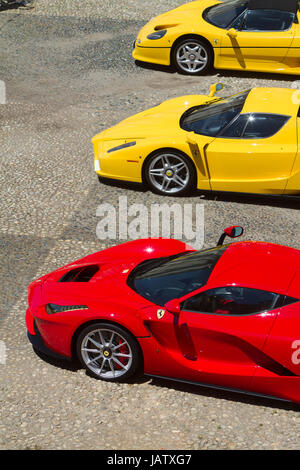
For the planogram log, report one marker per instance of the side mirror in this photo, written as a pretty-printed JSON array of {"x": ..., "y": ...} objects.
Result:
[
  {"x": 214, "y": 88},
  {"x": 173, "y": 306},
  {"x": 232, "y": 232},
  {"x": 232, "y": 33}
]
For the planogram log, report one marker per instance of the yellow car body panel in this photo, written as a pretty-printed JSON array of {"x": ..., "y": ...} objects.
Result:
[
  {"x": 276, "y": 52},
  {"x": 184, "y": 20},
  {"x": 151, "y": 134},
  {"x": 258, "y": 165}
]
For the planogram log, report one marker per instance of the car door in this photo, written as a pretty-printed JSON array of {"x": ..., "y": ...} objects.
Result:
[
  {"x": 254, "y": 154},
  {"x": 217, "y": 337},
  {"x": 292, "y": 60},
  {"x": 283, "y": 348},
  {"x": 260, "y": 42}
]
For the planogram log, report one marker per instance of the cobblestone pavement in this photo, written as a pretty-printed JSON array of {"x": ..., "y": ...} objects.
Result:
[{"x": 69, "y": 74}]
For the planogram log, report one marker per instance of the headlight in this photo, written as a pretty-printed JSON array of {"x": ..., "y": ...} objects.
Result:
[
  {"x": 120, "y": 147},
  {"x": 53, "y": 308},
  {"x": 157, "y": 34}
]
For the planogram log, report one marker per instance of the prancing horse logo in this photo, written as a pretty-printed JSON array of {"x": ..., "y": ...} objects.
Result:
[{"x": 160, "y": 313}]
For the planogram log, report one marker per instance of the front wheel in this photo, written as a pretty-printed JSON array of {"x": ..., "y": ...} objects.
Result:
[
  {"x": 108, "y": 352},
  {"x": 192, "y": 57},
  {"x": 170, "y": 173}
]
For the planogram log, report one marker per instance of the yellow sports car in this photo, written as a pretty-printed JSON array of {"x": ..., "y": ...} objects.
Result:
[
  {"x": 257, "y": 35},
  {"x": 247, "y": 142}
]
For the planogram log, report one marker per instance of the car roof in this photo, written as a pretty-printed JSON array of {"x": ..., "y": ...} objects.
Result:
[
  {"x": 259, "y": 265},
  {"x": 265, "y": 100},
  {"x": 286, "y": 5}
]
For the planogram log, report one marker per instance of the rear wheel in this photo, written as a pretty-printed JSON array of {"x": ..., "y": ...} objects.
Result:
[
  {"x": 108, "y": 352},
  {"x": 192, "y": 56},
  {"x": 170, "y": 173}
]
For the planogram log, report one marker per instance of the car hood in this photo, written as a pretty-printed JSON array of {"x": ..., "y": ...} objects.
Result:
[
  {"x": 161, "y": 119},
  {"x": 189, "y": 12},
  {"x": 115, "y": 265}
]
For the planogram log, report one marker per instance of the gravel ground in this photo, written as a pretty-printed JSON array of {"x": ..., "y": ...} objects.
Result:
[{"x": 69, "y": 74}]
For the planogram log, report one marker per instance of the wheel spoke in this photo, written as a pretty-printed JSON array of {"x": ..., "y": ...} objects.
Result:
[
  {"x": 179, "y": 180},
  {"x": 119, "y": 362},
  {"x": 166, "y": 160},
  {"x": 169, "y": 173},
  {"x": 165, "y": 184},
  {"x": 119, "y": 345},
  {"x": 157, "y": 171},
  {"x": 90, "y": 350},
  {"x": 121, "y": 355},
  {"x": 101, "y": 368},
  {"x": 95, "y": 359},
  {"x": 95, "y": 343},
  {"x": 192, "y": 57},
  {"x": 111, "y": 339},
  {"x": 101, "y": 338},
  {"x": 178, "y": 167},
  {"x": 111, "y": 367}
]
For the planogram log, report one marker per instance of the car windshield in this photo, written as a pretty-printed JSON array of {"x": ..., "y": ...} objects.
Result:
[
  {"x": 224, "y": 14},
  {"x": 211, "y": 118},
  {"x": 164, "y": 279}
]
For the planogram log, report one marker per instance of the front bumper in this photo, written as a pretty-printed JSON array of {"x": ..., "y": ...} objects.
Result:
[
  {"x": 37, "y": 342},
  {"x": 154, "y": 55}
]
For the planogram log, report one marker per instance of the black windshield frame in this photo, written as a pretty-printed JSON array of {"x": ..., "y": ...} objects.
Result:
[
  {"x": 220, "y": 16},
  {"x": 222, "y": 8}
]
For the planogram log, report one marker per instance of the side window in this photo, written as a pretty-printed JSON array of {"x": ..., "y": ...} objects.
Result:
[
  {"x": 232, "y": 300},
  {"x": 238, "y": 22},
  {"x": 268, "y": 20},
  {"x": 255, "y": 126},
  {"x": 261, "y": 126},
  {"x": 289, "y": 301},
  {"x": 237, "y": 127}
]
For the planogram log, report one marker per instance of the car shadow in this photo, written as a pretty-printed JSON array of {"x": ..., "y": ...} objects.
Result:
[
  {"x": 157, "y": 67},
  {"x": 72, "y": 365},
  {"x": 222, "y": 73},
  {"x": 139, "y": 187},
  {"x": 201, "y": 390},
  {"x": 255, "y": 75},
  {"x": 9, "y": 6},
  {"x": 227, "y": 395},
  {"x": 285, "y": 202}
]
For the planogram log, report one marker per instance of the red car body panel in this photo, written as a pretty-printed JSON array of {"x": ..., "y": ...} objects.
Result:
[{"x": 251, "y": 353}]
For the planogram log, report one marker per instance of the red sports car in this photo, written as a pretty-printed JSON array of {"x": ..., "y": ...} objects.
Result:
[{"x": 227, "y": 317}]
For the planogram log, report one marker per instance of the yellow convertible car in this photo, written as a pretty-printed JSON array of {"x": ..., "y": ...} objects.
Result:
[
  {"x": 257, "y": 35},
  {"x": 247, "y": 142}
]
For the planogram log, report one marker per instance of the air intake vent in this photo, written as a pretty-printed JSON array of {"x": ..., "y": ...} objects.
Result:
[{"x": 80, "y": 274}]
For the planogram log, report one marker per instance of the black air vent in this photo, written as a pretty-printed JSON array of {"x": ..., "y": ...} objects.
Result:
[{"x": 80, "y": 274}]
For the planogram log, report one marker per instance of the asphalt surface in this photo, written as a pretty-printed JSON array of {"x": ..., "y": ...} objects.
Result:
[{"x": 69, "y": 74}]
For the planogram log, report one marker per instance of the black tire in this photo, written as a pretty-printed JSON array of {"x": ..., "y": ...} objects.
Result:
[
  {"x": 106, "y": 361},
  {"x": 153, "y": 181},
  {"x": 204, "y": 52}
]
